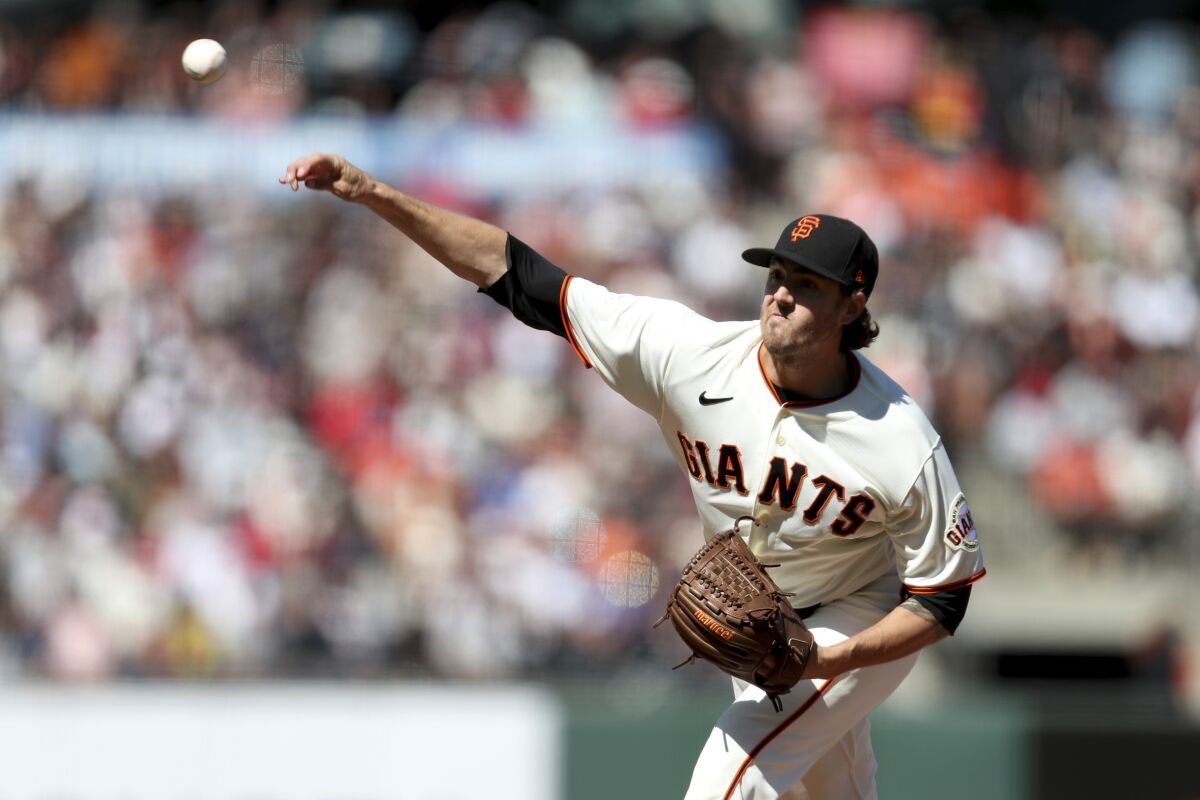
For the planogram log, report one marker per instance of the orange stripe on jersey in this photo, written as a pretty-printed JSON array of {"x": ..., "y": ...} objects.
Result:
[
  {"x": 758, "y": 748},
  {"x": 566, "y": 321},
  {"x": 763, "y": 371},
  {"x": 945, "y": 587}
]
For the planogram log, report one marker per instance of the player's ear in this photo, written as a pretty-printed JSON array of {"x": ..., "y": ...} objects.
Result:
[{"x": 855, "y": 303}]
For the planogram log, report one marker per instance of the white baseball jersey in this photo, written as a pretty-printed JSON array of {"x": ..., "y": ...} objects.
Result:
[{"x": 842, "y": 491}]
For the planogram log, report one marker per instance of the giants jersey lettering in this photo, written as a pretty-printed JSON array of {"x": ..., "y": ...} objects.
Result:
[{"x": 842, "y": 491}]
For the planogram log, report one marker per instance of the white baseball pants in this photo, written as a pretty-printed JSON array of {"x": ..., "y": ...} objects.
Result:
[{"x": 819, "y": 746}]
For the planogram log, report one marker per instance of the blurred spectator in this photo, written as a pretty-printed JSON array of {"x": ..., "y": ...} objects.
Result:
[{"x": 231, "y": 450}]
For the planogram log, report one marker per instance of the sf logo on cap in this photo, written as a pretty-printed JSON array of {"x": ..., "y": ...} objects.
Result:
[{"x": 805, "y": 226}]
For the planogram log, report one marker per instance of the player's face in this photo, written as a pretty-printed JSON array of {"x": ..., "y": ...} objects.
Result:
[{"x": 803, "y": 312}]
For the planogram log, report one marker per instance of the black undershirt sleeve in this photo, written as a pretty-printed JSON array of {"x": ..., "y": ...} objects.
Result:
[
  {"x": 948, "y": 608},
  {"x": 531, "y": 287}
]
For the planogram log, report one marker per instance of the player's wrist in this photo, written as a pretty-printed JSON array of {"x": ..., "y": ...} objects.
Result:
[
  {"x": 815, "y": 667},
  {"x": 826, "y": 662},
  {"x": 370, "y": 191}
]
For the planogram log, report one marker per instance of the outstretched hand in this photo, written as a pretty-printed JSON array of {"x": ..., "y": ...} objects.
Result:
[{"x": 329, "y": 173}]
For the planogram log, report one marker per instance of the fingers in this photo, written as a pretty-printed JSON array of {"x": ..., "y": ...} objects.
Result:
[
  {"x": 303, "y": 168},
  {"x": 289, "y": 175}
]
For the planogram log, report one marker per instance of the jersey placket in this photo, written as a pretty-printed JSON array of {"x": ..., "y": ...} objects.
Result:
[{"x": 762, "y": 512}]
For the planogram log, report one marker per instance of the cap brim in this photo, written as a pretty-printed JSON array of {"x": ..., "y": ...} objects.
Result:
[{"x": 761, "y": 257}]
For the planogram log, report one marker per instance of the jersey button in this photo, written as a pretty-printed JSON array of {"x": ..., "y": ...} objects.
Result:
[
  {"x": 779, "y": 440},
  {"x": 761, "y": 518}
]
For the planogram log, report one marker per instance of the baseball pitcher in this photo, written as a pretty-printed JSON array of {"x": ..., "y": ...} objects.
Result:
[{"x": 818, "y": 463}]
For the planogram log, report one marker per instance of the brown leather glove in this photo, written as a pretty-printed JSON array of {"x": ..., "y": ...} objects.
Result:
[{"x": 729, "y": 611}]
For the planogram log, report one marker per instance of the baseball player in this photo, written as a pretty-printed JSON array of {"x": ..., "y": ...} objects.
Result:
[{"x": 781, "y": 419}]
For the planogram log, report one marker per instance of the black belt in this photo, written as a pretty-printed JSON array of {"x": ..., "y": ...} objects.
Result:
[{"x": 807, "y": 611}]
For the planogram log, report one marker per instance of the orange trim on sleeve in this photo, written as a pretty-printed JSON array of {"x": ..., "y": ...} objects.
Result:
[
  {"x": 566, "y": 321},
  {"x": 758, "y": 748},
  {"x": 945, "y": 587}
]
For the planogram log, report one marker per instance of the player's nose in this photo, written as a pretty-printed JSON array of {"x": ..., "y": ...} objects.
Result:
[{"x": 782, "y": 297}]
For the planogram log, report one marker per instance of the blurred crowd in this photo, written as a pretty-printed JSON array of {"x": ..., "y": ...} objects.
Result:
[{"x": 244, "y": 437}]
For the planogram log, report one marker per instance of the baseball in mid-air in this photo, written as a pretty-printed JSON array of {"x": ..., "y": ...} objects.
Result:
[{"x": 204, "y": 60}]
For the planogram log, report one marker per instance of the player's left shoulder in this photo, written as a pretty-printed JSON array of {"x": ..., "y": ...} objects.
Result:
[
  {"x": 888, "y": 412},
  {"x": 883, "y": 432}
]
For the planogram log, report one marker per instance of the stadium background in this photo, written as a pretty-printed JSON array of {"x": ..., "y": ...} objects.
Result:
[{"x": 254, "y": 442}]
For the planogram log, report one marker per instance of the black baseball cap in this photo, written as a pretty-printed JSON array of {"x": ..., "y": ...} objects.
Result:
[{"x": 827, "y": 245}]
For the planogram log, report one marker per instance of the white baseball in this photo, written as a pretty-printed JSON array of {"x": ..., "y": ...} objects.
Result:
[{"x": 204, "y": 60}]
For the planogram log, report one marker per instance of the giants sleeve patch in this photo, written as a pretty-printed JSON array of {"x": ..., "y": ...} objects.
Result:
[{"x": 961, "y": 534}]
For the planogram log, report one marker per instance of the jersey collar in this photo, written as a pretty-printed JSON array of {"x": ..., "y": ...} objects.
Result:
[{"x": 855, "y": 374}]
